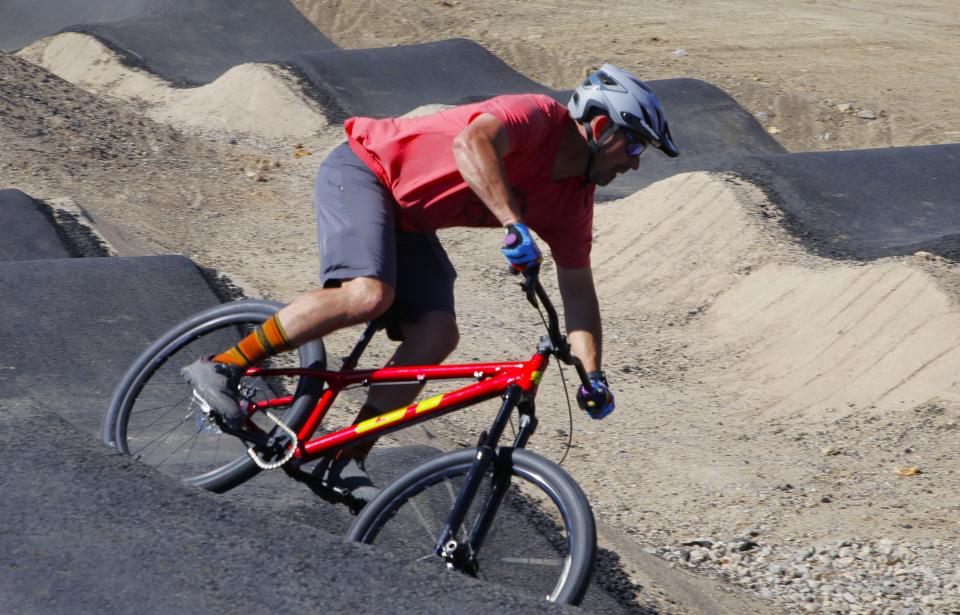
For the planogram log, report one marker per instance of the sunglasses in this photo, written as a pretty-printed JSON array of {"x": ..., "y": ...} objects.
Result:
[{"x": 636, "y": 144}]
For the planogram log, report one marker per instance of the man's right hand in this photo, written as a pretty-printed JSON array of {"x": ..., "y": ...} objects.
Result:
[{"x": 519, "y": 248}]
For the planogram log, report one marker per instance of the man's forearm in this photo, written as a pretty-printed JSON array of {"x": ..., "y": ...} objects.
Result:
[{"x": 585, "y": 332}]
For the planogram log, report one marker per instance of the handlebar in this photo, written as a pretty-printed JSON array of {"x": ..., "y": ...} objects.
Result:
[{"x": 534, "y": 291}]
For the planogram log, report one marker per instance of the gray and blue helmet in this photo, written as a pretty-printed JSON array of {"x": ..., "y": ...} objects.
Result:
[{"x": 626, "y": 100}]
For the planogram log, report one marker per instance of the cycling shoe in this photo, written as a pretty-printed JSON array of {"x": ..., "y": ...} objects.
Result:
[
  {"x": 348, "y": 475},
  {"x": 217, "y": 384}
]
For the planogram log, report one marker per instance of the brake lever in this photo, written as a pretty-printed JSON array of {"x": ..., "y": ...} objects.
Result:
[
  {"x": 581, "y": 370},
  {"x": 565, "y": 355},
  {"x": 529, "y": 286}
]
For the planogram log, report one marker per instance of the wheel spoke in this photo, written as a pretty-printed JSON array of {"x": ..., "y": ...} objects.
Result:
[
  {"x": 186, "y": 461},
  {"x": 172, "y": 406},
  {"x": 159, "y": 438},
  {"x": 431, "y": 531},
  {"x": 192, "y": 438},
  {"x": 533, "y": 561}
]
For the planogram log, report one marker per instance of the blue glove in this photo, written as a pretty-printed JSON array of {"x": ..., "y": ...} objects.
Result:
[
  {"x": 519, "y": 247},
  {"x": 598, "y": 399}
]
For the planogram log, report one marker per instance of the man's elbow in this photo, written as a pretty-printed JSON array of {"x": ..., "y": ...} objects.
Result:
[{"x": 464, "y": 144}]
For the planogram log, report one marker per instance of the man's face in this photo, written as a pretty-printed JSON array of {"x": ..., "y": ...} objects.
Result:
[{"x": 613, "y": 159}]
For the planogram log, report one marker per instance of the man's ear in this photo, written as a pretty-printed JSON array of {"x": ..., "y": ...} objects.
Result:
[{"x": 600, "y": 124}]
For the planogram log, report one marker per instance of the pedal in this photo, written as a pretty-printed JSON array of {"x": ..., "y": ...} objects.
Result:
[
  {"x": 247, "y": 393},
  {"x": 204, "y": 405},
  {"x": 206, "y": 418}
]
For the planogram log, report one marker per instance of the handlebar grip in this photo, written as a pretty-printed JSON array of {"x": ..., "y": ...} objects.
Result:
[{"x": 513, "y": 237}]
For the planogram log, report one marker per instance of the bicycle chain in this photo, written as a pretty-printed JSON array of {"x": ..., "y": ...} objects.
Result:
[
  {"x": 205, "y": 407},
  {"x": 286, "y": 457}
]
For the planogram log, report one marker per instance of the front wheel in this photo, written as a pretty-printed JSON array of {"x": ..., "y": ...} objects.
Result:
[
  {"x": 543, "y": 539},
  {"x": 154, "y": 417}
]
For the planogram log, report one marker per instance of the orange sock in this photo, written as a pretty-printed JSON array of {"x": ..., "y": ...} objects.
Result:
[{"x": 267, "y": 340}]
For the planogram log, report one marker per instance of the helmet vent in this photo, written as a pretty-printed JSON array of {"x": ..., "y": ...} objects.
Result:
[
  {"x": 646, "y": 116},
  {"x": 607, "y": 79},
  {"x": 631, "y": 120}
]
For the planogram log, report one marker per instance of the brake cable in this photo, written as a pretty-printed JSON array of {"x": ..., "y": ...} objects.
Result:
[{"x": 566, "y": 393}]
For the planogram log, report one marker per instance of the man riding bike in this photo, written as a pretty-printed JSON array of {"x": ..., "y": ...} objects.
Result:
[{"x": 520, "y": 162}]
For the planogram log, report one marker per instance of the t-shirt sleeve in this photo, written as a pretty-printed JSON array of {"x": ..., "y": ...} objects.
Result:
[{"x": 527, "y": 120}]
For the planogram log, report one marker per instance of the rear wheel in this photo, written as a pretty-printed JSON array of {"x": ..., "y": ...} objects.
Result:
[
  {"x": 543, "y": 539},
  {"x": 154, "y": 417}
]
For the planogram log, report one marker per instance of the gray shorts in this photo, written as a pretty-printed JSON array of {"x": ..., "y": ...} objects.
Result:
[{"x": 357, "y": 238}]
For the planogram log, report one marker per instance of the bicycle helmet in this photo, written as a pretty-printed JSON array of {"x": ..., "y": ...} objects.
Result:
[{"x": 627, "y": 101}]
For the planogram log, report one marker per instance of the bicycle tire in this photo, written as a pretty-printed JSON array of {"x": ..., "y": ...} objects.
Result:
[
  {"x": 530, "y": 531},
  {"x": 138, "y": 394}
]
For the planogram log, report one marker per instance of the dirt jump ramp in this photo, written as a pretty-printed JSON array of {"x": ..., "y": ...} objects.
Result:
[
  {"x": 785, "y": 330},
  {"x": 186, "y": 43},
  {"x": 36, "y": 238},
  {"x": 866, "y": 204},
  {"x": 86, "y": 529},
  {"x": 324, "y": 87}
]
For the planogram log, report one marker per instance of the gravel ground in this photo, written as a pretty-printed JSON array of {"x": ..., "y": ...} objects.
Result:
[{"x": 872, "y": 577}]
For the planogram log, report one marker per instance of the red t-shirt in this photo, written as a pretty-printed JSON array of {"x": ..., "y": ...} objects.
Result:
[{"x": 413, "y": 157}]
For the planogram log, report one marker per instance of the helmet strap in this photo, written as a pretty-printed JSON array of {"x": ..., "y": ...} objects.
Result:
[{"x": 593, "y": 146}]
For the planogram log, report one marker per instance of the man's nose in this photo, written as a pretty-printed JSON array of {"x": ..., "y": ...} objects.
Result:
[{"x": 634, "y": 162}]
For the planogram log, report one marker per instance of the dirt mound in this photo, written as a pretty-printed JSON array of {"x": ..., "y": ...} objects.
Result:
[
  {"x": 247, "y": 99},
  {"x": 796, "y": 334},
  {"x": 878, "y": 338}
]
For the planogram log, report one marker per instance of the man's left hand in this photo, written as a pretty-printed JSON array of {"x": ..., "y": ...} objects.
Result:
[{"x": 597, "y": 400}]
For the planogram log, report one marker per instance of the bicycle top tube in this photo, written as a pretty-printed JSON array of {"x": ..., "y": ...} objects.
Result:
[
  {"x": 492, "y": 380},
  {"x": 404, "y": 373}
]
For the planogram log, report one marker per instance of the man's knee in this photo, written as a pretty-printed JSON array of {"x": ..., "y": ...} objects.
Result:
[
  {"x": 368, "y": 297},
  {"x": 448, "y": 335},
  {"x": 435, "y": 333}
]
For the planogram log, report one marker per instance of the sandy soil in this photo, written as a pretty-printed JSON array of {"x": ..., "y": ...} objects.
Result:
[
  {"x": 761, "y": 390},
  {"x": 794, "y": 61}
]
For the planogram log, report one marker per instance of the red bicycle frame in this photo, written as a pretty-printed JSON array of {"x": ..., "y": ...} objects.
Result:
[{"x": 492, "y": 380}]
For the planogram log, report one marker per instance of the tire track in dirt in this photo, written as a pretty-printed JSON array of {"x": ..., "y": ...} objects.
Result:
[{"x": 787, "y": 331}]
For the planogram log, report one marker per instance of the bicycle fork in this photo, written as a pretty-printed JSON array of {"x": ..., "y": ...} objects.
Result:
[{"x": 462, "y": 556}]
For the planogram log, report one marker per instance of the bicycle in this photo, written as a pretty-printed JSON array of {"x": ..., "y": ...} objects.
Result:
[{"x": 461, "y": 497}]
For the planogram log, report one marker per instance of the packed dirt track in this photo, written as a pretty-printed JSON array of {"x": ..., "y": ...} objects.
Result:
[{"x": 781, "y": 308}]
